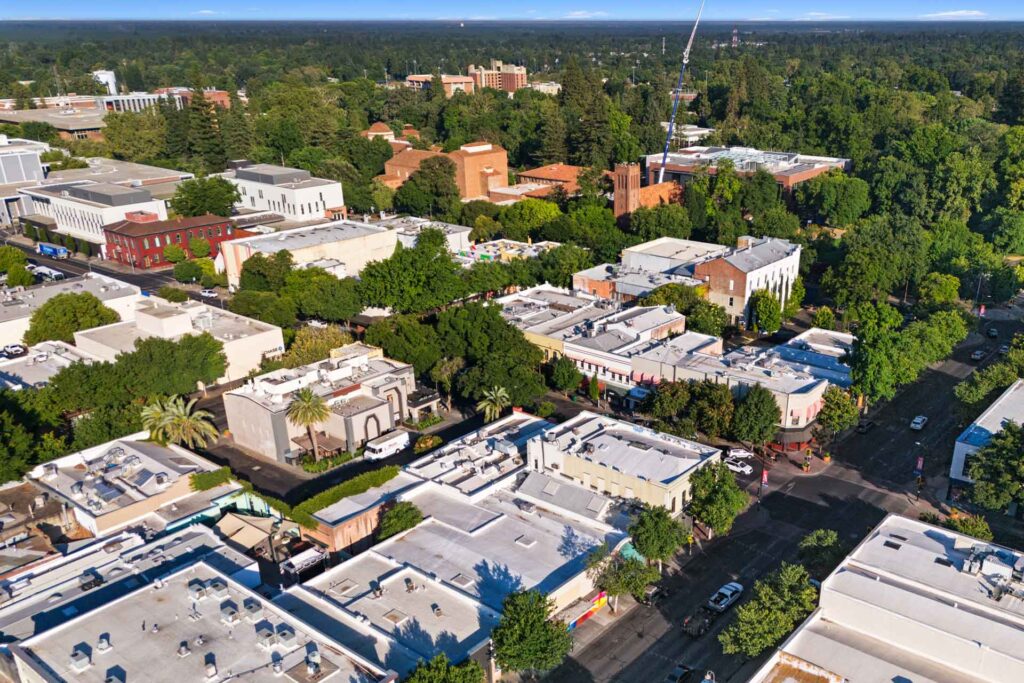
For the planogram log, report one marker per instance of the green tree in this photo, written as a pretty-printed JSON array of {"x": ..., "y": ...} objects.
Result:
[
  {"x": 399, "y": 517},
  {"x": 15, "y": 448},
  {"x": 767, "y": 311},
  {"x": 493, "y": 403},
  {"x": 307, "y": 410},
  {"x": 558, "y": 265},
  {"x": 135, "y": 136},
  {"x": 528, "y": 638},
  {"x": 1007, "y": 228},
  {"x": 757, "y": 416},
  {"x": 11, "y": 256},
  {"x": 838, "y": 411},
  {"x": 526, "y": 217},
  {"x": 443, "y": 375},
  {"x": 414, "y": 280},
  {"x": 616, "y": 575},
  {"x": 199, "y": 247},
  {"x": 998, "y": 470},
  {"x": 821, "y": 551},
  {"x": 834, "y": 198},
  {"x": 268, "y": 307},
  {"x": 711, "y": 408},
  {"x": 204, "y": 133},
  {"x": 657, "y": 535},
  {"x": 312, "y": 344},
  {"x": 781, "y": 601},
  {"x": 825, "y": 318},
  {"x": 319, "y": 294},
  {"x": 795, "y": 300},
  {"x": 440, "y": 670},
  {"x": 565, "y": 377},
  {"x": 19, "y": 276},
  {"x": 938, "y": 290},
  {"x": 172, "y": 294},
  {"x": 266, "y": 273},
  {"x": 200, "y": 196},
  {"x": 59, "y": 318},
  {"x": 664, "y": 220},
  {"x": 431, "y": 190},
  {"x": 405, "y": 338},
  {"x": 715, "y": 497},
  {"x": 236, "y": 129},
  {"x": 175, "y": 421},
  {"x": 174, "y": 254},
  {"x": 594, "y": 389},
  {"x": 187, "y": 271},
  {"x": 975, "y": 526}
]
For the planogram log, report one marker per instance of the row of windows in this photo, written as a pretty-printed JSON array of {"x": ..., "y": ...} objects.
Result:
[{"x": 190, "y": 234}]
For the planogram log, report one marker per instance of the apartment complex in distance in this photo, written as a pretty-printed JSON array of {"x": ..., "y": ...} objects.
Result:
[
  {"x": 620, "y": 459},
  {"x": 368, "y": 395},
  {"x": 246, "y": 342},
  {"x": 500, "y": 76},
  {"x": 340, "y": 247},
  {"x": 451, "y": 84},
  {"x": 912, "y": 602},
  {"x": 788, "y": 168},
  {"x": 289, "y": 192},
  {"x": 17, "y": 304}
]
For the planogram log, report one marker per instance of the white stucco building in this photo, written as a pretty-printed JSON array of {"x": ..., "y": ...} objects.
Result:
[{"x": 288, "y": 192}]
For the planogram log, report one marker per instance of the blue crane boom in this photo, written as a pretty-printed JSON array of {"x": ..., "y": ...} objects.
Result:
[{"x": 678, "y": 94}]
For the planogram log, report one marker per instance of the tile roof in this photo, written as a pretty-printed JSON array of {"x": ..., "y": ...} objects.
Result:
[{"x": 133, "y": 229}]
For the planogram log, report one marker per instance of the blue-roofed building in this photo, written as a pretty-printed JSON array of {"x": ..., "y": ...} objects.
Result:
[{"x": 1009, "y": 407}]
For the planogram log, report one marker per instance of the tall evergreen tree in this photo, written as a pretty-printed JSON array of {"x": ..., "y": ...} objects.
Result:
[
  {"x": 205, "y": 142},
  {"x": 177, "y": 129},
  {"x": 238, "y": 139}
]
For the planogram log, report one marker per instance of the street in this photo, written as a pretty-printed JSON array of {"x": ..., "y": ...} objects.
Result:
[{"x": 871, "y": 475}]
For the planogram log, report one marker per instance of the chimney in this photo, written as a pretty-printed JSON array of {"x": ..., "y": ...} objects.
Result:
[{"x": 627, "y": 189}]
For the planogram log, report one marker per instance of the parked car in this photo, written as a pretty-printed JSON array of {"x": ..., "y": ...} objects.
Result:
[
  {"x": 208, "y": 293},
  {"x": 684, "y": 674},
  {"x": 15, "y": 350},
  {"x": 738, "y": 466},
  {"x": 1004, "y": 349},
  {"x": 978, "y": 355},
  {"x": 918, "y": 423},
  {"x": 865, "y": 426},
  {"x": 992, "y": 333},
  {"x": 725, "y": 597},
  {"x": 740, "y": 453}
]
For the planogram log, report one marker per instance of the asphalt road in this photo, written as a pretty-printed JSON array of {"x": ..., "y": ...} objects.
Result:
[{"x": 872, "y": 474}]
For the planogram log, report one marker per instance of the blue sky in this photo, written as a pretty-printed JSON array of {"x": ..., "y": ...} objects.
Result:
[{"x": 608, "y": 10}]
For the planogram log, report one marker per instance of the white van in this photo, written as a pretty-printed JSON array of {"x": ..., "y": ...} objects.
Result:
[{"x": 387, "y": 445}]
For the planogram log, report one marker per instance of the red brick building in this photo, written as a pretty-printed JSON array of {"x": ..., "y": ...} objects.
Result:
[{"x": 141, "y": 239}]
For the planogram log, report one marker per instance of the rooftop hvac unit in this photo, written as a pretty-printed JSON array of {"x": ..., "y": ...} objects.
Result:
[
  {"x": 266, "y": 637},
  {"x": 253, "y": 609},
  {"x": 79, "y": 660},
  {"x": 217, "y": 588},
  {"x": 286, "y": 636},
  {"x": 196, "y": 590},
  {"x": 228, "y": 613}
]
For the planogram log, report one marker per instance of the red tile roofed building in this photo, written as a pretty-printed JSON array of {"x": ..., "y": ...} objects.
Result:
[
  {"x": 140, "y": 240},
  {"x": 630, "y": 196},
  {"x": 398, "y": 143},
  {"x": 555, "y": 175},
  {"x": 479, "y": 168}
]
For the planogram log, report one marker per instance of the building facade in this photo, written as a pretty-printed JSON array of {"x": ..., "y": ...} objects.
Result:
[
  {"x": 451, "y": 84},
  {"x": 500, "y": 76},
  {"x": 1009, "y": 407},
  {"x": 140, "y": 240},
  {"x": 480, "y": 167},
  {"x": 288, "y": 192},
  {"x": 788, "y": 168}
]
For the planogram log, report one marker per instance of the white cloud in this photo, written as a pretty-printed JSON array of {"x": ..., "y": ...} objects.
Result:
[
  {"x": 821, "y": 16},
  {"x": 207, "y": 12},
  {"x": 956, "y": 14},
  {"x": 584, "y": 14}
]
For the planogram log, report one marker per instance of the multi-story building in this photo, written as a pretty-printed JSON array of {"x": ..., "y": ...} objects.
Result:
[
  {"x": 451, "y": 84},
  {"x": 140, "y": 239},
  {"x": 669, "y": 255},
  {"x": 81, "y": 208},
  {"x": 178, "y": 96},
  {"x": 71, "y": 121},
  {"x": 17, "y": 304},
  {"x": 131, "y": 482},
  {"x": 686, "y": 134},
  {"x": 500, "y": 76},
  {"x": 408, "y": 229},
  {"x": 819, "y": 352},
  {"x": 912, "y": 602},
  {"x": 289, "y": 192},
  {"x": 161, "y": 183},
  {"x": 37, "y": 367},
  {"x": 623, "y": 284},
  {"x": 368, "y": 395},
  {"x": 621, "y": 460},
  {"x": 546, "y": 87},
  {"x": 1009, "y": 407},
  {"x": 246, "y": 342},
  {"x": 480, "y": 167},
  {"x": 788, "y": 168},
  {"x": 340, "y": 247}
]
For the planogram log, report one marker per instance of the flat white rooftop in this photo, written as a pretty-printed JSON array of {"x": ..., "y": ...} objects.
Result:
[
  {"x": 175, "y": 630},
  {"x": 1009, "y": 407},
  {"x": 21, "y": 302},
  {"x": 40, "y": 364},
  {"x": 354, "y": 505},
  {"x": 311, "y": 236},
  {"x": 678, "y": 249}
]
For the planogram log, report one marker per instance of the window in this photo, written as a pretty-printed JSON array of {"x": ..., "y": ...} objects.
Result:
[
  {"x": 177, "y": 238},
  {"x": 218, "y": 231},
  {"x": 145, "y": 243},
  {"x": 732, "y": 285},
  {"x": 261, "y": 194},
  {"x": 731, "y": 301}
]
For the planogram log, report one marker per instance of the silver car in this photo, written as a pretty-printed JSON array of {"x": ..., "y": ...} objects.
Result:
[{"x": 726, "y": 597}]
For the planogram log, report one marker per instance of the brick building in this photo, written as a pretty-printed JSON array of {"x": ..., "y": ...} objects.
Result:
[
  {"x": 479, "y": 168},
  {"x": 630, "y": 196},
  {"x": 451, "y": 84},
  {"x": 500, "y": 76},
  {"x": 140, "y": 240}
]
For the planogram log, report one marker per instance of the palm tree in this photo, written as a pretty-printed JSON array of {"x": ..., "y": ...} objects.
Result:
[
  {"x": 495, "y": 401},
  {"x": 307, "y": 409},
  {"x": 175, "y": 421}
]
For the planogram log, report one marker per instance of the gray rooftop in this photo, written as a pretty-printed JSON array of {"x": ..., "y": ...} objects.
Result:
[
  {"x": 411, "y": 225},
  {"x": 279, "y": 176},
  {"x": 310, "y": 236},
  {"x": 159, "y": 182},
  {"x": 42, "y": 362},
  {"x": 761, "y": 252},
  {"x": 357, "y": 504},
  {"x": 96, "y": 193},
  {"x": 1009, "y": 407},
  {"x": 61, "y": 119},
  {"x": 21, "y": 302},
  {"x": 219, "y": 621}
]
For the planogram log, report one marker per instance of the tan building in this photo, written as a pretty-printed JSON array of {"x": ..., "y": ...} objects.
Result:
[
  {"x": 131, "y": 481},
  {"x": 565, "y": 176},
  {"x": 500, "y": 76},
  {"x": 621, "y": 460},
  {"x": 451, "y": 84},
  {"x": 368, "y": 394},
  {"x": 480, "y": 167},
  {"x": 341, "y": 247}
]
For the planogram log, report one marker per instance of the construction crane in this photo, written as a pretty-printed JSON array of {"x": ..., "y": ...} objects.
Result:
[{"x": 678, "y": 94}]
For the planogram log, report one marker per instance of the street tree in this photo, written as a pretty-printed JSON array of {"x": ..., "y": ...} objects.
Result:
[
  {"x": 971, "y": 525},
  {"x": 60, "y": 317},
  {"x": 174, "y": 254},
  {"x": 701, "y": 315},
  {"x": 998, "y": 470},
  {"x": 715, "y": 497},
  {"x": 11, "y": 256},
  {"x": 795, "y": 300},
  {"x": 312, "y": 344},
  {"x": 781, "y": 601},
  {"x": 307, "y": 410},
  {"x": 19, "y": 276},
  {"x": 711, "y": 408},
  {"x": 320, "y": 295},
  {"x": 565, "y": 377},
  {"x": 838, "y": 411},
  {"x": 657, "y": 535},
  {"x": 558, "y": 265},
  {"x": 440, "y": 670},
  {"x": 406, "y": 338},
  {"x": 399, "y": 517},
  {"x": 200, "y": 196},
  {"x": 528, "y": 638},
  {"x": 525, "y": 217},
  {"x": 618, "y": 576},
  {"x": 199, "y": 247},
  {"x": 493, "y": 403},
  {"x": 767, "y": 311},
  {"x": 174, "y": 421},
  {"x": 757, "y": 416},
  {"x": 821, "y": 551},
  {"x": 594, "y": 389},
  {"x": 937, "y": 290},
  {"x": 443, "y": 374}
]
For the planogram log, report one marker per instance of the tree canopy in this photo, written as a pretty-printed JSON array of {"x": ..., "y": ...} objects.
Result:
[{"x": 60, "y": 317}]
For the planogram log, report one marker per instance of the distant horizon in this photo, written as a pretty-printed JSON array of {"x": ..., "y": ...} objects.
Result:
[{"x": 510, "y": 20}]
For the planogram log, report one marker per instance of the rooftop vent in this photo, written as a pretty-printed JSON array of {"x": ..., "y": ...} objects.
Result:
[
  {"x": 103, "y": 644},
  {"x": 526, "y": 541},
  {"x": 229, "y": 613},
  {"x": 892, "y": 545},
  {"x": 79, "y": 660},
  {"x": 217, "y": 588},
  {"x": 286, "y": 636},
  {"x": 196, "y": 589},
  {"x": 253, "y": 609},
  {"x": 266, "y": 637}
]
